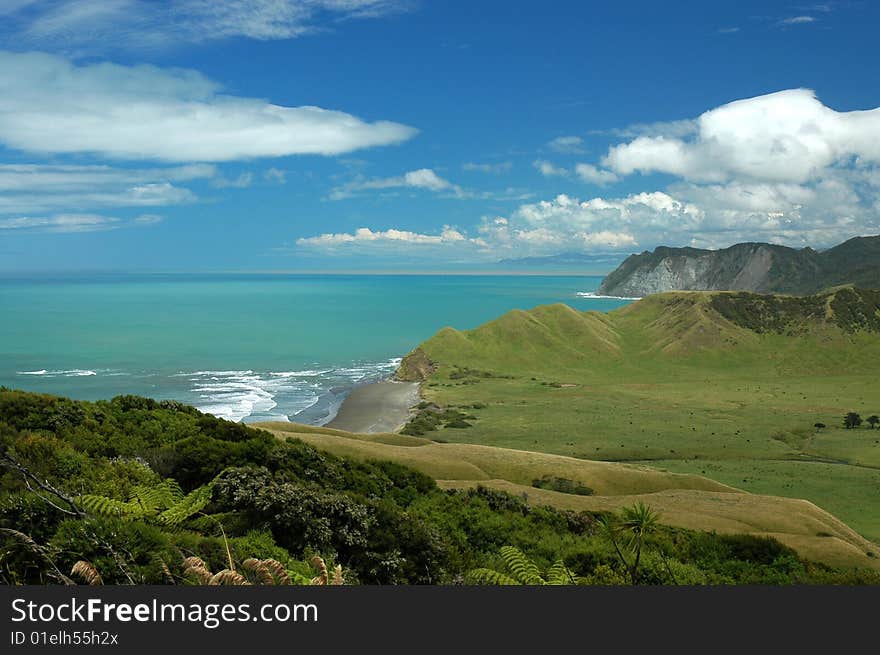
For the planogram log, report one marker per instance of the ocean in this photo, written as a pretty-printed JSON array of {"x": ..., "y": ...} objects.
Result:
[{"x": 245, "y": 347}]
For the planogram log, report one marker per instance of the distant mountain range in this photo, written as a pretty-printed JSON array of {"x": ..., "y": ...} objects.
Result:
[{"x": 759, "y": 267}]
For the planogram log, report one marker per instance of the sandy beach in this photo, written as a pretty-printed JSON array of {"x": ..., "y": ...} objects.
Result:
[{"x": 379, "y": 407}]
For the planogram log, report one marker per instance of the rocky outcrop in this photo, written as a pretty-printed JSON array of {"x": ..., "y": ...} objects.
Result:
[
  {"x": 415, "y": 367},
  {"x": 760, "y": 267}
]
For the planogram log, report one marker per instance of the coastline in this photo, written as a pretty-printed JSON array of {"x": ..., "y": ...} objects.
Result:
[{"x": 377, "y": 407}]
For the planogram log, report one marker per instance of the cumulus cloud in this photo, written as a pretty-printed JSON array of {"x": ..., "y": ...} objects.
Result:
[
  {"x": 73, "y": 223},
  {"x": 103, "y": 24},
  {"x": 781, "y": 168},
  {"x": 672, "y": 129},
  {"x": 423, "y": 178},
  {"x": 589, "y": 173},
  {"x": 584, "y": 172},
  {"x": 29, "y": 188},
  {"x": 564, "y": 223},
  {"x": 367, "y": 240},
  {"x": 49, "y": 104},
  {"x": 789, "y": 136},
  {"x": 548, "y": 169}
]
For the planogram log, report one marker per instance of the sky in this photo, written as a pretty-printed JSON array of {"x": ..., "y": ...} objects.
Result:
[{"x": 408, "y": 135}]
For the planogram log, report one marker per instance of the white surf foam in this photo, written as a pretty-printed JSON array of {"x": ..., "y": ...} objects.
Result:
[
  {"x": 72, "y": 373},
  {"x": 590, "y": 294},
  {"x": 246, "y": 394}
]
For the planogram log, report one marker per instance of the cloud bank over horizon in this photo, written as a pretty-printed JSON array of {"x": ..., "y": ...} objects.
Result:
[{"x": 782, "y": 168}]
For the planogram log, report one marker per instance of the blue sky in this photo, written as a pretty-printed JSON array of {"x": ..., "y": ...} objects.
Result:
[{"x": 408, "y": 134}]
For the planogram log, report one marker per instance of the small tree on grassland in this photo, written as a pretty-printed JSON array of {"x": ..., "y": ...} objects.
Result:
[
  {"x": 627, "y": 534},
  {"x": 873, "y": 420},
  {"x": 852, "y": 420}
]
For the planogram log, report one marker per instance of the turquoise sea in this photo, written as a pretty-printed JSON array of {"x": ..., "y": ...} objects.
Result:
[{"x": 245, "y": 347}]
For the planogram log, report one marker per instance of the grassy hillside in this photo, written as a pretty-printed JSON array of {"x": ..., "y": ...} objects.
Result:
[
  {"x": 726, "y": 385},
  {"x": 685, "y": 501}
]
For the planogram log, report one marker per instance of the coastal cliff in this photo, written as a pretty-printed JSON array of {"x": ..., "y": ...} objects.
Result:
[{"x": 759, "y": 267}]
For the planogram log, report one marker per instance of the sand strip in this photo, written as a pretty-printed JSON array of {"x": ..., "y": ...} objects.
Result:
[{"x": 378, "y": 407}]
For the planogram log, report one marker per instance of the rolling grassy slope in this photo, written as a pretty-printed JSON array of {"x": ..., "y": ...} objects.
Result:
[
  {"x": 726, "y": 385},
  {"x": 687, "y": 501}
]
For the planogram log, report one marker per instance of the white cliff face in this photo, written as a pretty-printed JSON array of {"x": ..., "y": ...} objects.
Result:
[{"x": 707, "y": 272}]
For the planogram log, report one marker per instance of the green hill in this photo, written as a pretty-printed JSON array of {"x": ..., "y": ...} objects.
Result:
[
  {"x": 724, "y": 385},
  {"x": 761, "y": 267}
]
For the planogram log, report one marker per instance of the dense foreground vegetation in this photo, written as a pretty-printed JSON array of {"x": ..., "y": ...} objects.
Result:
[{"x": 140, "y": 489}]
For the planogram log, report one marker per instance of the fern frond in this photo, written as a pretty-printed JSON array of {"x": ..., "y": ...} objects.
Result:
[
  {"x": 87, "y": 572},
  {"x": 559, "y": 574},
  {"x": 522, "y": 568},
  {"x": 157, "y": 497},
  {"x": 110, "y": 507},
  {"x": 228, "y": 577},
  {"x": 198, "y": 575},
  {"x": 323, "y": 576},
  {"x": 191, "y": 504},
  {"x": 490, "y": 577},
  {"x": 194, "y": 561},
  {"x": 166, "y": 572},
  {"x": 276, "y": 568},
  {"x": 337, "y": 576},
  {"x": 258, "y": 569}
]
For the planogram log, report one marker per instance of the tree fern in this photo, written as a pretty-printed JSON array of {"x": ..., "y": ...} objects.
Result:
[
  {"x": 189, "y": 505},
  {"x": 490, "y": 577},
  {"x": 163, "y": 503},
  {"x": 104, "y": 506},
  {"x": 559, "y": 574},
  {"x": 157, "y": 497},
  {"x": 521, "y": 571},
  {"x": 522, "y": 568}
]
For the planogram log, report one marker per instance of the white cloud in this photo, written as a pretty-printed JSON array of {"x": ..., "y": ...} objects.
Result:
[
  {"x": 789, "y": 136},
  {"x": 30, "y": 188},
  {"x": 423, "y": 178},
  {"x": 275, "y": 175},
  {"x": 495, "y": 169},
  {"x": 562, "y": 224},
  {"x": 366, "y": 240},
  {"x": 567, "y": 144},
  {"x": 548, "y": 169},
  {"x": 51, "y": 105},
  {"x": 73, "y": 223},
  {"x": 698, "y": 215},
  {"x": 243, "y": 181},
  {"x": 91, "y": 25},
  {"x": 585, "y": 172},
  {"x": 798, "y": 20},
  {"x": 672, "y": 129},
  {"x": 589, "y": 173},
  {"x": 782, "y": 168}
]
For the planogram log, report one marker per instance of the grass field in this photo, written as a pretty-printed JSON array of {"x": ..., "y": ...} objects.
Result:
[
  {"x": 673, "y": 383},
  {"x": 687, "y": 501}
]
